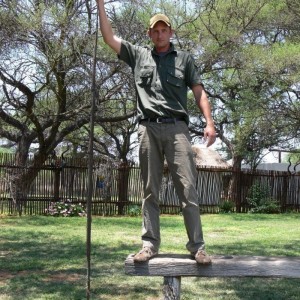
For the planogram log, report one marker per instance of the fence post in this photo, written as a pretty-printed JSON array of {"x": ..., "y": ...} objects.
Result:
[
  {"x": 56, "y": 183},
  {"x": 123, "y": 178}
]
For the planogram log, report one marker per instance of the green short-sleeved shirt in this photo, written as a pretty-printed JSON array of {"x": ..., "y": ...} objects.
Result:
[{"x": 161, "y": 81}]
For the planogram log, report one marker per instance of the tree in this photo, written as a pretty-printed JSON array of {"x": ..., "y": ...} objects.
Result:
[
  {"x": 246, "y": 72},
  {"x": 45, "y": 75},
  {"x": 247, "y": 52},
  {"x": 239, "y": 43},
  {"x": 115, "y": 140}
]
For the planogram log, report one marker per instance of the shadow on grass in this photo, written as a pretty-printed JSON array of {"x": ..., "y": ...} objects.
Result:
[
  {"x": 255, "y": 248},
  {"x": 45, "y": 285},
  {"x": 241, "y": 288},
  {"x": 40, "y": 265},
  {"x": 137, "y": 289},
  {"x": 39, "y": 251},
  {"x": 36, "y": 265}
]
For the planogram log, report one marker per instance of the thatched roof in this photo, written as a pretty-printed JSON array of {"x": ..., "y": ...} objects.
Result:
[{"x": 208, "y": 157}]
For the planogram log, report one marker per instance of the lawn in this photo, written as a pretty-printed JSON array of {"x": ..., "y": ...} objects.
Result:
[{"x": 44, "y": 257}]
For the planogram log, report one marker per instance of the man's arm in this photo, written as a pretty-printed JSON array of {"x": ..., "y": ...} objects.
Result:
[
  {"x": 105, "y": 27},
  {"x": 204, "y": 106}
]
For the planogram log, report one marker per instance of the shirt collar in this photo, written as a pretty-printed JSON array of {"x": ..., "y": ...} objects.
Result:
[{"x": 171, "y": 49}]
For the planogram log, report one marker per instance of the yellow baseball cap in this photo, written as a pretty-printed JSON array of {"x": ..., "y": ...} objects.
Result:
[{"x": 159, "y": 17}]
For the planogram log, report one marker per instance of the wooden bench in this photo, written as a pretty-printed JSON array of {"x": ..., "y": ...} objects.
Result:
[{"x": 173, "y": 266}]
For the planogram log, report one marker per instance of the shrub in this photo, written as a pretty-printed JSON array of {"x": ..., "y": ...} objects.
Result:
[
  {"x": 269, "y": 206},
  {"x": 227, "y": 206},
  {"x": 134, "y": 210},
  {"x": 260, "y": 201},
  {"x": 65, "y": 209}
]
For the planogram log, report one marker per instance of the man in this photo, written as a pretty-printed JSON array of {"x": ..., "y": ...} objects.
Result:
[{"x": 162, "y": 76}]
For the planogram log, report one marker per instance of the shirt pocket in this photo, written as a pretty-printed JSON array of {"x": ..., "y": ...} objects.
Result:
[
  {"x": 175, "y": 76},
  {"x": 145, "y": 75}
]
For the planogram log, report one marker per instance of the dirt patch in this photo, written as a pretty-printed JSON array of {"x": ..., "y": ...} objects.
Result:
[
  {"x": 4, "y": 253},
  {"x": 58, "y": 276},
  {"x": 4, "y": 276},
  {"x": 64, "y": 277}
]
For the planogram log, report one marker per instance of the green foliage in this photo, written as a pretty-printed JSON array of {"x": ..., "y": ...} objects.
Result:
[
  {"x": 239, "y": 43},
  {"x": 260, "y": 200},
  {"x": 65, "y": 209},
  {"x": 294, "y": 158},
  {"x": 227, "y": 206},
  {"x": 134, "y": 210}
]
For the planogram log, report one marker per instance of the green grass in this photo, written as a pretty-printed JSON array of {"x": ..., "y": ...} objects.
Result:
[{"x": 44, "y": 257}]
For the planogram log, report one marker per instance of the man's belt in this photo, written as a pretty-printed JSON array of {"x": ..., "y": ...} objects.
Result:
[{"x": 162, "y": 120}]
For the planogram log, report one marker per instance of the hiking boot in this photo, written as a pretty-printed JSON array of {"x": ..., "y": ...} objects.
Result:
[
  {"x": 144, "y": 255},
  {"x": 202, "y": 257}
]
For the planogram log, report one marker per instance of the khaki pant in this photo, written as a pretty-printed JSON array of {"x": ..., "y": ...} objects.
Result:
[{"x": 170, "y": 141}]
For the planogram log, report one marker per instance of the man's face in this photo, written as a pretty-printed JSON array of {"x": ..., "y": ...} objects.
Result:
[{"x": 160, "y": 35}]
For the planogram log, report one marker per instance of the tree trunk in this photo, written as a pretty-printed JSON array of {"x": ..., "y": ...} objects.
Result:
[
  {"x": 18, "y": 190},
  {"x": 22, "y": 176}
]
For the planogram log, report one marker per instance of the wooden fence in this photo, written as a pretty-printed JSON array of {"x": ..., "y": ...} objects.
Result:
[{"x": 118, "y": 188}]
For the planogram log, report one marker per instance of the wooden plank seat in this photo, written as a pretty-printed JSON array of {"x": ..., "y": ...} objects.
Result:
[{"x": 173, "y": 266}]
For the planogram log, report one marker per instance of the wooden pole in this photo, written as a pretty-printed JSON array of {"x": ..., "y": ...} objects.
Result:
[{"x": 90, "y": 169}]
